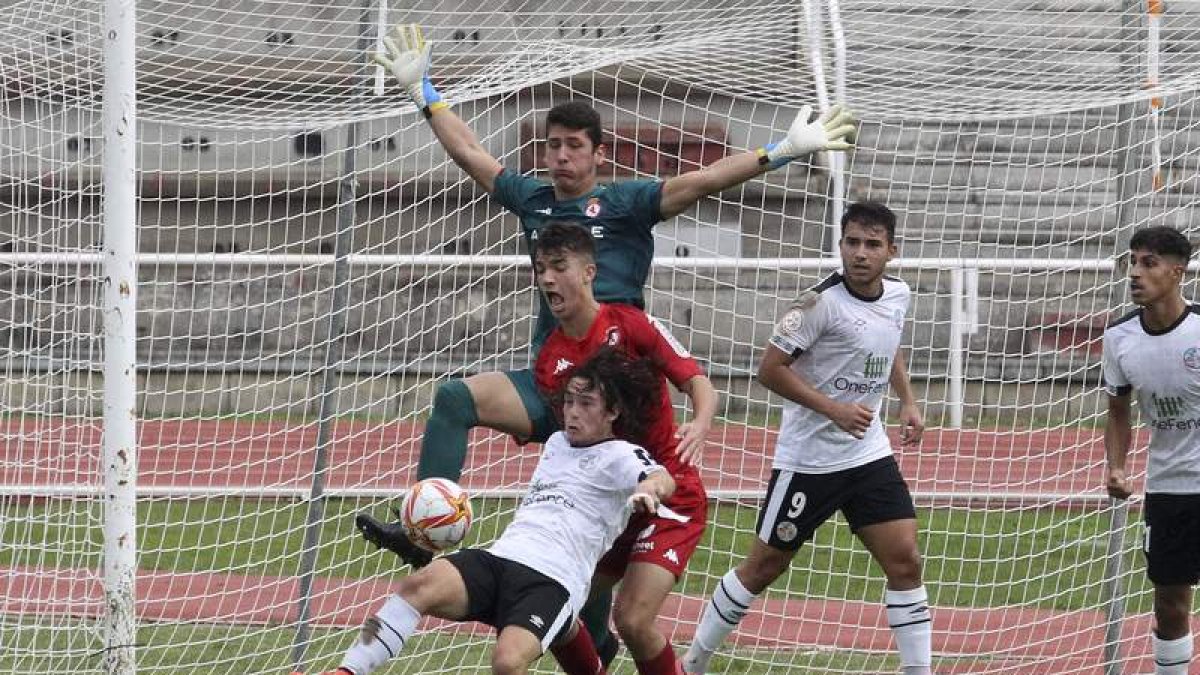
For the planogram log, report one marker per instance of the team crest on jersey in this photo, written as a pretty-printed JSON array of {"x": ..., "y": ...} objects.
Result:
[
  {"x": 786, "y": 531},
  {"x": 593, "y": 207},
  {"x": 612, "y": 337},
  {"x": 1191, "y": 358}
]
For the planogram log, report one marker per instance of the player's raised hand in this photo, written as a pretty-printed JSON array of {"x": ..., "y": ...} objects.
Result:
[
  {"x": 691, "y": 437},
  {"x": 852, "y": 418},
  {"x": 832, "y": 131},
  {"x": 406, "y": 56},
  {"x": 1118, "y": 484}
]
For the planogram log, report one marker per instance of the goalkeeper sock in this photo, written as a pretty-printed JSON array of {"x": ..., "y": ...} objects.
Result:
[
  {"x": 1171, "y": 657},
  {"x": 578, "y": 655},
  {"x": 908, "y": 616},
  {"x": 721, "y": 615},
  {"x": 594, "y": 617},
  {"x": 383, "y": 636},
  {"x": 444, "y": 443}
]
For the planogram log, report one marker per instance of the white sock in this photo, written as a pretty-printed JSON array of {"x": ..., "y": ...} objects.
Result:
[
  {"x": 1171, "y": 657},
  {"x": 396, "y": 622},
  {"x": 721, "y": 615},
  {"x": 908, "y": 616}
]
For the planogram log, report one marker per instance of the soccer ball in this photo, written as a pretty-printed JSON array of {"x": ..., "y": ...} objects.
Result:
[{"x": 436, "y": 514}]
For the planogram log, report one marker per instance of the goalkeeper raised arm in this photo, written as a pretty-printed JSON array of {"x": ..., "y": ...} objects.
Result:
[{"x": 623, "y": 212}]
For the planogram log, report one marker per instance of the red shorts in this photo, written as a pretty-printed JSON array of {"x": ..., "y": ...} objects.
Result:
[{"x": 665, "y": 542}]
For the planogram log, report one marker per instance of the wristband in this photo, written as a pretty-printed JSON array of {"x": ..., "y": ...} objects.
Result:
[
  {"x": 434, "y": 107},
  {"x": 774, "y": 162}
]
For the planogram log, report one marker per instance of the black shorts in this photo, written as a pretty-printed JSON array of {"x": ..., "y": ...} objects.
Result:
[
  {"x": 502, "y": 592},
  {"x": 798, "y": 503},
  {"x": 1171, "y": 540}
]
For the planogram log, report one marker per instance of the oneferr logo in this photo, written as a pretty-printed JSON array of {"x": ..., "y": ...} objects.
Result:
[
  {"x": 1169, "y": 414},
  {"x": 874, "y": 366}
]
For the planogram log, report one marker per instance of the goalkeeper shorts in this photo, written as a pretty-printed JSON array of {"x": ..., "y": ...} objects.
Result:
[{"x": 541, "y": 415}]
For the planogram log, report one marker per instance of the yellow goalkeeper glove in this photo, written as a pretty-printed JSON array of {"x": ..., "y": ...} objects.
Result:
[{"x": 406, "y": 56}]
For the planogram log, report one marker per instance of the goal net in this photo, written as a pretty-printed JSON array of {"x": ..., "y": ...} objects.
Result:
[{"x": 311, "y": 265}]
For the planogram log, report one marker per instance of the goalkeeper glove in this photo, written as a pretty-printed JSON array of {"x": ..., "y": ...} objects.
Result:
[
  {"x": 406, "y": 56},
  {"x": 832, "y": 131}
]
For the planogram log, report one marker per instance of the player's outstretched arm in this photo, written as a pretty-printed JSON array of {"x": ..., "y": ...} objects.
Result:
[
  {"x": 406, "y": 55},
  {"x": 1118, "y": 434},
  {"x": 652, "y": 491},
  {"x": 912, "y": 423},
  {"x": 832, "y": 131},
  {"x": 691, "y": 435}
]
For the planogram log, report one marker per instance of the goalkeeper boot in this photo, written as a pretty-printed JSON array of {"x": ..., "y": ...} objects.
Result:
[{"x": 392, "y": 537}]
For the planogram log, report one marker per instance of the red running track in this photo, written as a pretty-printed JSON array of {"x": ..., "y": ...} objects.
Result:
[
  {"x": 1017, "y": 640},
  {"x": 240, "y": 454},
  {"x": 237, "y": 454}
]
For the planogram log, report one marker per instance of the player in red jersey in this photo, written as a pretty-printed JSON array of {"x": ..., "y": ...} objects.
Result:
[{"x": 650, "y": 556}]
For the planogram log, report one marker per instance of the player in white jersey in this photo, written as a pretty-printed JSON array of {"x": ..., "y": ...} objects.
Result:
[
  {"x": 1155, "y": 350},
  {"x": 531, "y": 583},
  {"x": 831, "y": 358}
]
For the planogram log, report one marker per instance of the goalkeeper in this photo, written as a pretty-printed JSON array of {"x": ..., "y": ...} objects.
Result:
[{"x": 620, "y": 216}]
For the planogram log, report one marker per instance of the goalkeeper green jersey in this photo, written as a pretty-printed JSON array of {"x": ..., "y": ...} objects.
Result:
[{"x": 620, "y": 217}]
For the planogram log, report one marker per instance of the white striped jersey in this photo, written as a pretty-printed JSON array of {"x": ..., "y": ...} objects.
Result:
[
  {"x": 843, "y": 345},
  {"x": 574, "y": 510},
  {"x": 1163, "y": 367}
]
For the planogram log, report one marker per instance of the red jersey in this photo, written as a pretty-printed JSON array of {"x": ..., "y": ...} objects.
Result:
[{"x": 639, "y": 336}]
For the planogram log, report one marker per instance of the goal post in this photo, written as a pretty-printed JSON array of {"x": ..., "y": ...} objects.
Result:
[
  {"x": 119, "y": 463},
  {"x": 309, "y": 266}
]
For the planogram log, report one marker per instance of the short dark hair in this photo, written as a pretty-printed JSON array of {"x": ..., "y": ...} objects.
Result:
[
  {"x": 871, "y": 214},
  {"x": 1162, "y": 240},
  {"x": 629, "y": 385},
  {"x": 577, "y": 116},
  {"x": 565, "y": 236}
]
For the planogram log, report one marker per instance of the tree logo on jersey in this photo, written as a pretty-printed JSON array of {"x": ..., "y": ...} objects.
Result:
[
  {"x": 873, "y": 366},
  {"x": 612, "y": 337},
  {"x": 561, "y": 365},
  {"x": 1191, "y": 358},
  {"x": 1167, "y": 406},
  {"x": 593, "y": 207}
]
